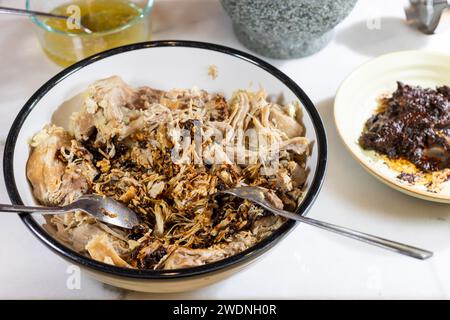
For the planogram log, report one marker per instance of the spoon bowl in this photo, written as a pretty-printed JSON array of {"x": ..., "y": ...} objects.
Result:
[
  {"x": 106, "y": 210},
  {"x": 100, "y": 207}
]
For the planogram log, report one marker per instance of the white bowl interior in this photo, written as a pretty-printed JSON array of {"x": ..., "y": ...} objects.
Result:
[
  {"x": 357, "y": 97},
  {"x": 158, "y": 67}
]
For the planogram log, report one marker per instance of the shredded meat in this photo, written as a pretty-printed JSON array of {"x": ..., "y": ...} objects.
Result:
[{"x": 164, "y": 155}]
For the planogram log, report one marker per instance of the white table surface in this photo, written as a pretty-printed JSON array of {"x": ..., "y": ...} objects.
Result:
[{"x": 309, "y": 263}]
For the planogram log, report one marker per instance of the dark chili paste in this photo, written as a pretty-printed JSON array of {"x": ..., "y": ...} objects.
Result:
[{"x": 414, "y": 124}]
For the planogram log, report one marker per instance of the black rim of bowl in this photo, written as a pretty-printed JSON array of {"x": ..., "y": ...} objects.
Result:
[{"x": 254, "y": 251}]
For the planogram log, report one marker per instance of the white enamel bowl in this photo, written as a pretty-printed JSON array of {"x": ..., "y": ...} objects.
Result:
[
  {"x": 163, "y": 65},
  {"x": 356, "y": 101}
]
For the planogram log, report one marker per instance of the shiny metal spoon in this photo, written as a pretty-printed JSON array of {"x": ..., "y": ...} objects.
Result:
[
  {"x": 23, "y": 12},
  {"x": 103, "y": 208},
  {"x": 261, "y": 196}
]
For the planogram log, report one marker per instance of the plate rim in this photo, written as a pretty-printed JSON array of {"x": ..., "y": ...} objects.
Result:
[{"x": 393, "y": 183}]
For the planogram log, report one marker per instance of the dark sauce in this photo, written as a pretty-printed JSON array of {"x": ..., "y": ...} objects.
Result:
[{"x": 413, "y": 124}]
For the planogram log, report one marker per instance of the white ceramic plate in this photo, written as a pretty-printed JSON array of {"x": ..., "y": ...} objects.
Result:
[
  {"x": 162, "y": 65},
  {"x": 356, "y": 101}
]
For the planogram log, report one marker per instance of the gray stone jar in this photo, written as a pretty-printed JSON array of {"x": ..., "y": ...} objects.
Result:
[{"x": 285, "y": 29}]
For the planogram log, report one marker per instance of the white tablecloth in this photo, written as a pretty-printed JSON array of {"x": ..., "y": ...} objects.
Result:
[{"x": 309, "y": 263}]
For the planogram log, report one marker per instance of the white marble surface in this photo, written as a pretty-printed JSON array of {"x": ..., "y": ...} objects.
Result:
[{"x": 309, "y": 263}]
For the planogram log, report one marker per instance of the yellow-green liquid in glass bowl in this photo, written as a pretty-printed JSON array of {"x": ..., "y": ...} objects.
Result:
[{"x": 114, "y": 23}]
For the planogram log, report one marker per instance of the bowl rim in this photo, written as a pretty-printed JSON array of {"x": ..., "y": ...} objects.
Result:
[
  {"x": 246, "y": 255},
  {"x": 338, "y": 104}
]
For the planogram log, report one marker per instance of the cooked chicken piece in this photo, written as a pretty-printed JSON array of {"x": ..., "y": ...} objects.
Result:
[
  {"x": 286, "y": 123},
  {"x": 283, "y": 180},
  {"x": 298, "y": 174},
  {"x": 263, "y": 226},
  {"x": 44, "y": 169},
  {"x": 290, "y": 176},
  {"x": 299, "y": 145},
  {"x": 80, "y": 236},
  {"x": 185, "y": 257},
  {"x": 108, "y": 107},
  {"x": 55, "y": 181},
  {"x": 272, "y": 198},
  {"x": 101, "y": 249}
]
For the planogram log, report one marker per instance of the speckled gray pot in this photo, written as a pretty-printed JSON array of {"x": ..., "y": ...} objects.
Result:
[{"x": 286, "y": 29}]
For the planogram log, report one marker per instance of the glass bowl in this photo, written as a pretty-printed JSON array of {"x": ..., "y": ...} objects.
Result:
[{"x": 68, "y": 47}]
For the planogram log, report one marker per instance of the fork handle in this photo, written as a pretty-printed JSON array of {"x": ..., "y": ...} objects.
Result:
[
  {"x": 21, "y": 209},
  {"x": 361, "y": 236}
]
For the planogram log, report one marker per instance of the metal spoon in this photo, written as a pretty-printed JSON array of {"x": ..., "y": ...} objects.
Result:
[
  {"x": 262, "y": 197},
  {"x": 103, "y": 208},
  {"x": 23, "y": 12}
]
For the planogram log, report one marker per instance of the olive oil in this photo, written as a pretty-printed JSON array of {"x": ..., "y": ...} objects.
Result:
[{"x": 113, "y": 23}]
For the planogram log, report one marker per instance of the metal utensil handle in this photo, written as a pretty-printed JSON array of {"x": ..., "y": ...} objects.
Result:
[
  {"x": 23, "y": 12},
  {"x": 21, "y": 209},
  {"x": 367, "y": 238}
]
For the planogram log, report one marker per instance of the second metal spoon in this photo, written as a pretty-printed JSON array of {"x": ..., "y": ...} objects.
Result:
[{"x": 262, "y": 197}]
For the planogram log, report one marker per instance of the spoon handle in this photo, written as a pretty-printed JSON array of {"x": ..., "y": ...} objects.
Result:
[
  {"x": 23, "y": 12},
  {"x": 21, "y": 209},
  {"x": 361, "y": 236}
]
